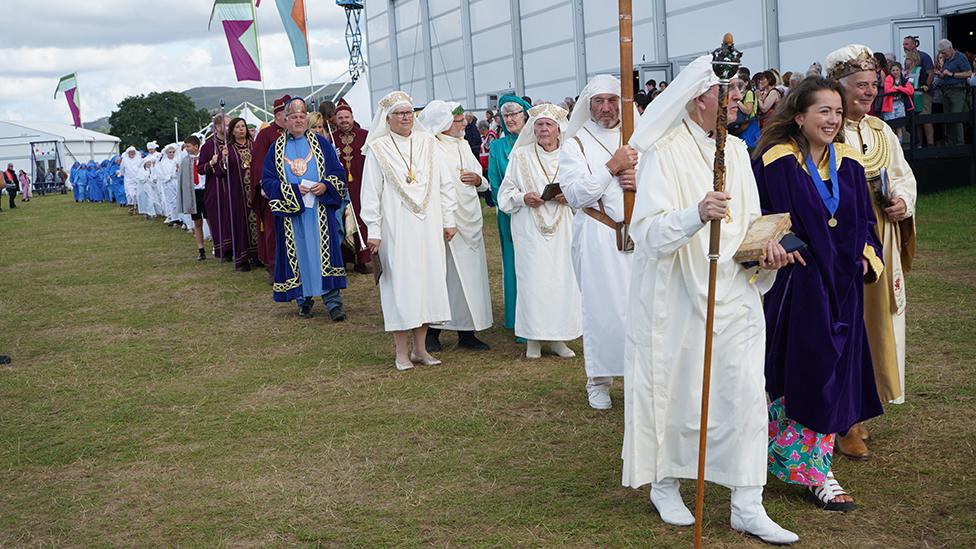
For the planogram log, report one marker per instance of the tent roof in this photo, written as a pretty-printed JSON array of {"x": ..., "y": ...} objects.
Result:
[{"x": 64, "y": 131}]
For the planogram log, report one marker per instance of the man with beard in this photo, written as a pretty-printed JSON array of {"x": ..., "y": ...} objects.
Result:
[
  {"x": 348, "y": 139},
  {"x": 256, "y": 199},
  {"x": 595, "y": 168}
]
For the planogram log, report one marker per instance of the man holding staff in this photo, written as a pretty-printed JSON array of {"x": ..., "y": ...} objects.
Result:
[
  {"x": 667, "y": 312},
  {"x": 595, "y": 169}
]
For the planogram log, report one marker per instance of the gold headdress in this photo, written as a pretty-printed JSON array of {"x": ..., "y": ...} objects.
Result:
[{"x": 849, "y": 60}]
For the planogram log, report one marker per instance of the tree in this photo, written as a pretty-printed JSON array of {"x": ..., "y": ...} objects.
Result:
[{"x": 143, "y": 118}]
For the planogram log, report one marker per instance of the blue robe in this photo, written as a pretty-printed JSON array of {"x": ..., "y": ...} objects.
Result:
[
  {"x": 308, "y": 252},
  {"x": 498, "y": 154},
  {"x": 96, "y": 191},
  {"x": 73, "y": 176},
  {"x": 817, "y": 355},
  {"x": 116, "y": 180}
]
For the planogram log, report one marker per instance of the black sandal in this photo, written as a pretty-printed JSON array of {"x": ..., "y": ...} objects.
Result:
[{"x": 824, "y": 494}]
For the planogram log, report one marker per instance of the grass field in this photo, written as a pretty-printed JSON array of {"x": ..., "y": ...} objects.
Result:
[{"x": 157, "y": 401}]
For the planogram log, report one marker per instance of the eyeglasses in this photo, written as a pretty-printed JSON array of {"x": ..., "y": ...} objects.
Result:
[
  {"x": 402, "y": 114},
  {"x": 512, "y": 114}
]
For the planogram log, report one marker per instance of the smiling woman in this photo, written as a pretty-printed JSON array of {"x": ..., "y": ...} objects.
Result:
[{"x": 820, "y": 379}]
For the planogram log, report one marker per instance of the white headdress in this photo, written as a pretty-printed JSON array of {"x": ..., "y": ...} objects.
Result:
[
  {"x": 546, "y": 110},
  {"x": 668, "y": 108},
  {"x": 599, "y": 84},
  {"x": 130, "y": 149},
  {"x": 849, "y": 60},
  {"x": 380, "y": 127},
  {"x": 438, "y": 115},
  {"x": 151, "y": 145}
]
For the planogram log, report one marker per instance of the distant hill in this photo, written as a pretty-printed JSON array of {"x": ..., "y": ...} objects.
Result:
[
  {"x": 209, "y": 97},
  {"x": 100, "y": 125}
]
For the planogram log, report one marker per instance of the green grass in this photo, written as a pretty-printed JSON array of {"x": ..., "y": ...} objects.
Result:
[{"x": 157, "y": 401}]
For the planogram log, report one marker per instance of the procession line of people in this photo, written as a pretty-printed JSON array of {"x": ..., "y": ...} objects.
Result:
[{"x": 808, "y": 345}]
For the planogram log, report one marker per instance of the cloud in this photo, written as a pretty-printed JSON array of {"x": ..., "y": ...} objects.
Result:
[{"x": 120, "y": 48}]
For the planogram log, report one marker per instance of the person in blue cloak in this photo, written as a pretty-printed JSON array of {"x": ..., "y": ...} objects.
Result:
[
  {"x": 306, "y": 188},
  {"x": 96, "y": 192},
  {"x": 73, "y": 176},
  {"x": 116, "y": 180},
  {"x": 514, "y": 113}
]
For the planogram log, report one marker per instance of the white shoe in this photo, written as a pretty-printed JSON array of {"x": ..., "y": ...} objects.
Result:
[
  {"x": 599, "y": 397},
  {"x": 666, "y": 498},
  {"x": 749, "y": 516},
  {"x": 533, "y": 349},
  {"x": 561, "y": 350},
  {"x": 401, "y": 366}
]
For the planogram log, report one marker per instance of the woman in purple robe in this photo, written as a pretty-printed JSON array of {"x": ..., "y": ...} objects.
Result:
[
  {"x": 242, "y": 218},
  {"x": 819, "y": 374}
]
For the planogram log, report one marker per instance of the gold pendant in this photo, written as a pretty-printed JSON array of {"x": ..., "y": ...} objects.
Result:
[
  {"x": 831, "y": 222},
  {"x": 411, "y": 179},
  {"x": 298, "y": 166}
]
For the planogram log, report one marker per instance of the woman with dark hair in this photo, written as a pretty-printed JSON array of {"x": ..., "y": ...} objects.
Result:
[
  {"x": 881, "y": 63},
  {"x": 819, "y": 374},
  {"x": 242, "y": 219},
  {"x": 769, "y": 95}
]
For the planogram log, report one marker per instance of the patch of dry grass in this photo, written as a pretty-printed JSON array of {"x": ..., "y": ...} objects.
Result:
[{"x": 157, "y": 401}]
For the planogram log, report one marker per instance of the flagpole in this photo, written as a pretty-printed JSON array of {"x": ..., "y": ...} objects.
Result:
[
  {"x": 78, "y": 99},
  {"x": 264, "y": 92},
  {"x": 308, "y": 54}
]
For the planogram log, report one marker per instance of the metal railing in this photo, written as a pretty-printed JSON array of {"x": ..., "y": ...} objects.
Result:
[{"x": 919, "y": 156}]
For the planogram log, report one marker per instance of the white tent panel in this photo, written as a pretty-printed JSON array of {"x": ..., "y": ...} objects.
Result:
[{"x": 17, "y": 139}]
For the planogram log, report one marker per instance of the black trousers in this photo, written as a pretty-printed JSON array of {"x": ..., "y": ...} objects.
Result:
[{"x": 12, "y": 194}]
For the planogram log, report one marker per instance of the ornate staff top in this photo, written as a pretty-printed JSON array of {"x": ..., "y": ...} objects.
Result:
[{"x": 725, "y": 59}]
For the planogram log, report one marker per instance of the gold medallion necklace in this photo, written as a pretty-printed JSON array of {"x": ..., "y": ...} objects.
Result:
[
  {"x": 411, "y": 178},
  {"x": 300, "y": 165}
]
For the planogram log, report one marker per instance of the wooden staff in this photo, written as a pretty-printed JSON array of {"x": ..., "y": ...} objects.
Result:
[
  {"x": 626, "y": 106},
  {"x": 725, "y": 63}
]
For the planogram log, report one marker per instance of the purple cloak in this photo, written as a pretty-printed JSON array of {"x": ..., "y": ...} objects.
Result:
[{"x": 817, "y": 354}]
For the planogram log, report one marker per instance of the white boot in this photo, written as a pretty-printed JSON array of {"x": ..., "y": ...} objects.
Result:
[
  {"x": 533, "y": 349},
  {"x": 560, "y": 349},
  {"x": 667, "y": 500},
  {"x": 749, "y": 516}
]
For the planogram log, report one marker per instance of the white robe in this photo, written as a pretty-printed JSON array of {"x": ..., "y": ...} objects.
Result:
[
  {"x": 548, "y": 307},
  {"x": 602, "y": 272},
  {"x": 666, "y": 322},
  {"x": 146, "y": 186},
  {"x": 409, "y": 221},
  {"x": 166, "y": 173},
  {"x": 467, "y": 263},
  {"x": 131, "y": 170}
]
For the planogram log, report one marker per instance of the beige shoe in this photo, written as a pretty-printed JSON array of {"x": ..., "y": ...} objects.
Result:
[{"x": 561, "y": 350}]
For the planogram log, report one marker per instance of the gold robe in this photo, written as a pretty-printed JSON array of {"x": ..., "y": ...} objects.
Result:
[{"x": 884, "y": 302}]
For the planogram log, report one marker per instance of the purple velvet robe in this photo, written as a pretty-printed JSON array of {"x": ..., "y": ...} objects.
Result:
[
  {"x": 817, "y": 354},
  {"x": 215, "y": 198},
  {"x": 242, "y": 218}
]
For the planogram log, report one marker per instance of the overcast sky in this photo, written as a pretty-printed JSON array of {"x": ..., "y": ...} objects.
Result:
[{"x": 120, "y": 48}]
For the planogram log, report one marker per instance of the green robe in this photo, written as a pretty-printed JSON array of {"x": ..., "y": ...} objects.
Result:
[{"x": 497, "y": 164}]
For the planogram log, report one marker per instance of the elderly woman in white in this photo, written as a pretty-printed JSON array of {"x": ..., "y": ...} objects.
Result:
[
  {"x": 548, "y": 307},
  {"x": 408, "y": 207},
  {"x": 166, "y": 172}
]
